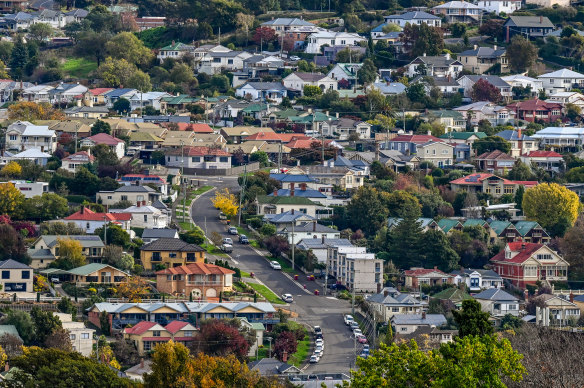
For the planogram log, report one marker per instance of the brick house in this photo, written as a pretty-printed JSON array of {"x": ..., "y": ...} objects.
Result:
[
  {"x": 417, "y": 276},
  {"x": 201, "y": 280},
  {"x": 536, "y": 109},
  {"x": 495, "y": 161}
]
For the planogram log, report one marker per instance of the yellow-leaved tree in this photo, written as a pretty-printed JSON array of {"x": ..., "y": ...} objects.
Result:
[
  {"x": 70, "y": 254},
  {"x": 133, "y": 289},
  {"x": 553, "y": 206},
  {"x": 11, "y": 199},
  {"x": 226, "y": 202},
  {"x": 12, "y": 170}
]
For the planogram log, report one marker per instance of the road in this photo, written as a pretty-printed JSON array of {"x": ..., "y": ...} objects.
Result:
[{"x": 324, "y": 311}]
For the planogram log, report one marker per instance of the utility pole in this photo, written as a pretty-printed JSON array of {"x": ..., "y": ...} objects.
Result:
[
  {"x": 242, "y": 191},
  {"x": 326, "y": 270},
  {"x": 104, "y": 231},
  {"x": 355, "y": 348},
  {"x": 280, "y": 157},
  {"x": 353, "y": 298},
  {"x": 374, "y": 329},
  {"x": 182, "y": 177},
  {"x": 293, "y": 223},
  {"x": 270, "y": 348},
  {"x": 321, "y": 139}
]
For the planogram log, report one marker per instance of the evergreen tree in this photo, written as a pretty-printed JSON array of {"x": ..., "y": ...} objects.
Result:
[
  {"x": 439, "y": 253},
  {"x": 18, "y": 59},
  {"x": 404, "y": 241},
  {"x": 471, "y": 320}
]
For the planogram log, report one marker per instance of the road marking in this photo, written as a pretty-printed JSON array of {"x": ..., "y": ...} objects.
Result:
[{"x": 331, "y": 297}]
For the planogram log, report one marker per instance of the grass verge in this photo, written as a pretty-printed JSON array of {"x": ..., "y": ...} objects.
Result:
[
  {"x": 202, "y": 189},
  {"x": 244, "y": 274},
  {"x": 302, "y": 351},
  {"x": 285, "y": 264},
  {"x": 79, "y": 67},
  {"x": 262, "y": 353},
  {"x": 266, "y": 293},
  {"x": 213, "y": 250},
  {"x": 254, "y": 244}
]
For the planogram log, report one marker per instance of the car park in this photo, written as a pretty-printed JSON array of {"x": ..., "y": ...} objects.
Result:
[
  {"x": 348, "y": 319},
  {"x": 287, "y": 298},
  {"x": 275, "y": 265},
  {"x": 314, "y": 359},
  {"x": 243, "y": 239},
  {"x": 232, "y": 230}
]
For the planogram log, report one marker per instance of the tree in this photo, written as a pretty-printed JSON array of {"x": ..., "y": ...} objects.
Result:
[
  {"x": 66, "y": 306},
  {"x": 471, "y": 320},
  {"x": 115, "y": 256},
  {"x": 127, "y": 46},
  {"x": 521, "y": 172},
  {"x": 10, "y": 198},
  {"x": 70, "y": 254},
  {"x": 259, "y": 156},
  {"x": 551, "y": 205},
  {"x": 483, "y": 90},
  {"x": 521, "y": 53},
  {"x": 11, "y": 344},
  {"x": 140, "y": 81},
  {"x": 422, "y": 39},
  {"x": 226, "y": 202},
  {"x": 60, "y": 228},
  {"x": 45, "y": 323},
  {"x": 366, "y": 210},
  {"x": 48, "y": 206},
  {"x": 312, "y": 91},
  {"x": 416, "y": 92},
  {"x": 404, "y": 241},
  {"x": 125, "y": 352},
  {"x": 133, "y": 289},
  {"x": 18, "y": 59},
  {"x": 439, "y": 253},
  {"x": 91, "y": 44},
  {"x": 41, "y": 31},
  {"x": 572, "y": 246},
  {"x": 286, "y": 343},
  {"x": 171, "y": 366},
  {"x": 11, "y": 170},
  {"x": 181, "y": 72},
  {"x": 59, "y": 339},
  {"x": 573, "y": 112},
  {"x": 31, "y": 111},
  {"x": 490, "y": 144},
  {"x": 122, "y": 106},
  {"x": 101, "y": 127},
  {"x": 367, "y": 74},
  {"x": 264, "y": 35},
  {"x": 23, "y": 323},
  {"x": 115, "y": 72},
  {"x": 401, "y": 203},
  {"x": 221, "y": 338}
]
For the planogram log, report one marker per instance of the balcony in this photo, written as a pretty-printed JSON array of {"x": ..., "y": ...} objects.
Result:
[{"x": 204, "y": 284}]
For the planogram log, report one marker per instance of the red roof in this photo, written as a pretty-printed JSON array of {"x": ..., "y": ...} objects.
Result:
[
  {"x": 86, "y": 214},
  {"x": 199, "y": 151},
  {"x": 525, "y": 251},
  {"x": 158, "y": 339},
  {"x": 140, "y": 328},
  {"x": 271, "y": 136},
  {"x": 104, "y": 138},
  {"x": 543, "y": 154},
  {"x": 175, "y": 326},
  {"x": 82, "y": 154},
  {"x": 98, "y": 91},
  {"x": 494, "y": 155},
  {"x": 418, "y": 139},
  {"x": 423, "y": 271},
  {"x": 535, "y": 104},
  {"x": 478, "y": 178},
  {"x": 198, "y": 128},
  {"x": 196, "y": 269}
]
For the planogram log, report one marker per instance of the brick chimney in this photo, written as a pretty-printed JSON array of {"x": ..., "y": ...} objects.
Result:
[
  {"x": 572, "y": 297},
  {"x": 82, "y": 210},
  {"x": 292, "y": 211},
  {"x": 314, "y": 226},
  {"x": 385, "y": 292},
  {"x": 303, "y": 186},
  {"x": 141, "y": 362},
  {"x": 275, "y": 192},
  {"x": 322, "y": 239},
  {"x": 139, "y": 203},
  {"x": 291, "y": 189},
  {"x": 423, "y": 315},
  {"x": 285, "y": 356},
  {"x": 526, "y": 295}
]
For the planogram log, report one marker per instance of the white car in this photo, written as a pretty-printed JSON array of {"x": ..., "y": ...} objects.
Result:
[
  {"x": 357, "y": 332},
  {"x": 319, "y": 345},
  {"x": 314, "y": 359},
  {"x": 319, "y": 349},
  {"x": 348, "y": 320},
  {"x": 294, "y": 58},
  {"x": 228, "y": 240},
  {"x": 287, "y": 298},
  {"x": 318, "y": 353},
  {"x": 275, "y": 265}
]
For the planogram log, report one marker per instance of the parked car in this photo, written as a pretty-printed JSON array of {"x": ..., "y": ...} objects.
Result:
[
  {"x": 354, "y": 325},
  {"x": 243, "y": 239},
  {"x": 364, "y": 355},
  {"x": 336, "y": 287},
  {"x": 320, "y": 344},
  {"x": 317, "y": 329},
  {"x": 357, "y": 332},
  {"x": 294, "y": 58},
  {"x": 227, "y": 248},
  {"x": 227, "y": 240},
  {"x": 366, "y": 348},
  {"x": 318, "y": 336},
  {"x": 55, "y": 280},
  {"x": 319, "y": 349},
  {"x": 287, "y": 298},
  {"x": 319, "y": 341},
  {"x": 349, "y": 319},
  {"x": 314, "y": 359},
  {"x": 318, "y": 353},
  {"x": 362, "y": 339},
  {"x": 222, "y": 216},
  {"x": 275, "y": 265},
  {"x": 232, "y": 230}
]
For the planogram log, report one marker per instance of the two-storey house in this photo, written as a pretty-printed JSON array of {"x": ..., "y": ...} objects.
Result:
[
  {"x": 170, "y": 252},
  {"x": 198, "y": 157},
  {"x": 202, "y": 281},
  {"x": 480, "y": 60},
  {"x": 23, "y": 135}
]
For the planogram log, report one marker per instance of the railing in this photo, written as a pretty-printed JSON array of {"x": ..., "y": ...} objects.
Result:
[{"x": 204, "y": 284}]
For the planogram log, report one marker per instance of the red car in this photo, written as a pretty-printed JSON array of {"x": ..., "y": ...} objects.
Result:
[{"x": 362, "y": 339}]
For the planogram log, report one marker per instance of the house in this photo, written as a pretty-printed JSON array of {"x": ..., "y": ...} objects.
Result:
[
  {"x": 565, "y": 98},
  {"x": 477, "y": 279},
  {"x": 520, "y": 81},
  {"x": 140, "y": 100},
  {"x": 200, "y": 52},
  {"x": 31, "y": 189},
  {"x": 283, "y": 25},
  {"x": 200, "y": 280},
  {"x": 287, "y": 219},
  {"x": 87, "y": 112},
  {"x": 320, "y": 247},
  {"x": 216, "y": 62},
  {"x": 343, "y": 128},
  {"x": 549, "y": 3},
  {"x": 459, "y": 12},
  {"x": 146, "y": 335},
  {"x": 530, "y": 26},
  {"x": 537, "y": 110},
  {"x": 447, "y": 85},
  {"x": 390, "y": 302},
  {"x": 238, "y": 134},
  {"x": 428, "y": 337},
  {"x": 434, "y": 66},
  {"x": 408, "y": 144},
  {"x": 90, "y": 274},
  {"x": 467, "y": 138},
  {"x": 390, "y": 88},
  {"x": 504, "y": 230},
  {"x": 258, "y": 330},
  {"x": 555, "y": 310},
  {"x": 307, "y": 230},
  {"x": 133, "y": 194},
  {"x": 452, "y": 120},
  {"x": 424, "y": 222},
  {"x": 23, "y": 135},
  {"x": 66, "y": 93},
  {"x": 482, "y": 60},
  {"x": 531, "y": 231},
  {"x": 330, "y": 38},
  {"x": 37, "y": 93},
  {"x": 277, "y": 204},
  {"x": 467, "y": 82},
  {"x": 145, "y": 216},
  {"x": 500, "y": 6},
  {"x": 35, "y": 155},
  {"x": 345, "y": 71},
  {"x": 562, "y": 80},
  {"x": 356, "y": 269},
  {"x": 78, "y": 159},
  {"x": 146, "y": 179},
  {"x": 175, "y": 50},
  {"x": 409, "y": 323},
  {"x": 497, "y": 302},
  {"x": 45, "y": 249},
  {"x": 489, "y": 183},
  {"x": 152, "y": 234},
  {"x": 170, "y": 252},
  {"x": 114, "y": 95},
  {"x": 524, "y": 263},
  {"x": 448, "y": 225},
  {"x": 81, "y": 337},
  {"x": 548, "y": 160},
  {"x": 199, "y": 157},
  {"x": 415, "y": 17},
  {"x": 416, "y": 277},
  {"x": 297, "y": 81},
  {"x": 438, "y": 153},
  {"x": 273, "y": 367},
  {"x": 137, "y": 372},
  {"x": 262, "y": 91},
  {"x": 495, "y": 162},
  {"x": 89, "y": 220},
  {"x": 118, "y": 146},
  {"x": 451, "y": 298},
  {"x": 486, "y": 110},
  {"x": 95, "y": 96},
  {"x": 16, "y": 277},
  {"x": 346, "y": 178},
  {"x": 563, "y": 139},
  {"x": 520, "y": 143}
]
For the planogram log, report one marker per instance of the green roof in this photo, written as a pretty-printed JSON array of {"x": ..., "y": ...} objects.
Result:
[
  {"x": 284, "y": 114},
  {"x": 281, "y": 200},
  {"x": 500, "y": 226},
  {"x": 523, "y": 227},
  {"x": 345, "y": 68},
  {"x": 318, "y": 116},
  {"x": 89, "y": 269},
  {"x": 173, "y": 46},
  {"x": 474, "y": 222},
  {"x": 446, "y": 113},
  {"x": 254, "y": 108},
  {"x": 453, "y": 294},
  {"x": 446, "y": 224},
  {"x": 8, "y": 329},
  {"x": 180, "y": 99},
  {"x": 462, "y": 135}
]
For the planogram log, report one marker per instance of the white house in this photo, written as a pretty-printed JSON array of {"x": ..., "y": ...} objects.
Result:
[
  {"x": 81, "y": 337},
  {"x": 561, "y": 81},
  {"x": 307, "y": 230},
  {"x": 564, "y": 98},
  {"x": 145, "y": 216},
  {"x": 519, "y": 80},
  {"x": 356, "y": 269},
  {"x": 344, "y": 127},
  {"x": 89, "y": 220},
  {"x": 199, "y": 157},
  {"x": 297, "y": 81},
  {"x": 216, "y": 61},
  {"x": 65, "y": 93},
  {"x": 23, "y": 135},
  {"x": 37, "y": 93},
  {"x": 561, "y": 138},
  {"x": 500, "y": 6},
  {"x": 261, "y": 91},
  {"x": 35, "y": 155},
  {"x": 283, "y": 25},
  {"x": 117, "y": 145},
  {"x": 459, "y": 11},
  {"x": 175, "y": 50},
  {"x": 346, "y": 71},
  {"x": 414, "y": 17},
  {"x": 319, "y": 39},
  {"x": 141, "y": 100},
  {"x": 434, "y": 66},
  {"x": 73, "y": 161},
  {"x": 31, "y": 189},
  {"x": 478, "y": 279},
  {"x": 498, "y": 302}
]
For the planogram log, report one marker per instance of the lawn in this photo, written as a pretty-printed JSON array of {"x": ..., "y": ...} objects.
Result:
[
  {"x": 186, "y": 225},
  {"x": 302, "y": 351},
  {"x": 285, "y": 264},
  {"x": 262, "y": 353},
  {"x": 79, "y": 67},
  {"x": 202, "y": 189},
  {"x": 212, "y": 249},
  {"x": 266, "y": 293},
  {"x": 244, "y": 274}
]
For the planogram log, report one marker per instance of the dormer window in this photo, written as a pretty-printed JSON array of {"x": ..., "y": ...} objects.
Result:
[{"x": 507, "y": 254}]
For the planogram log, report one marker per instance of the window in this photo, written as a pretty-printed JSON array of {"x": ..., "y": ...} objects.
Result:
[
  {"x": 395, "y": 309},
  {"x": 72, "y": 336},
  {"x": 26, "y": 274},
  {"x": 188, "y": 333},
  {"x": 84, "y": 335},
  {"x": 147, "y": 345},
  {"x": 530, "y": 270},
  {"x": 124, "y": 197},
  {"x": 195, "y": 159},
  {"x": 87, "y": 225},
  {"x": 156, "y": 333},
  {"x": 145, "y": 217},
  {"x": 5, "y": 274},
  {"x": 404, "y": 329},
  {"x": 156, "y": 256},
  {"x": 12, "y": 137},
  {"x": 223, "y": 159},
  {"x": 544, "y": 257}
]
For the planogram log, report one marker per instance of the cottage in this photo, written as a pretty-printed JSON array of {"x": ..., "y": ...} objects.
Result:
[
  {"x": 434, "y": 66},
  {"x": 416, "y": 277},
  {"x": 498, "y": 303},
  {"x": 486, "y": 110},
  {"x": 262, "y": 91},
  {"x": 477, "y": 279},
  {"x": 152, "y": 234},
  {"x": 118, "y": 146},
  {"x": 390, "y": 302},
  {"x": 145, "y": 216},
  {"x": 548, "y": 160},
  {"x": 89, "y": 220},
  {"x": 306, "y": 230},
  {"x": 409, "y": 323}
]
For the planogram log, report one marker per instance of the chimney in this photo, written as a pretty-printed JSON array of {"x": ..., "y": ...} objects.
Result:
[
  {"x": 82, "y": 209},
  {"x": 423, "y": 315},
  {"x": 424, "y": 54},
  {"x": 385, "y": 292},
  {"x": 526, "y": 295},
  {"x": 522, "y": 246},
  {"x": 572, "y": 297},
  {"x": 429, "y": 133},
  {"x": 475, "y": 47},
  {"x": 495, "y": 47},
  {"x": 541, "y": 19},
  {"x": 285, "y": 356},
  {"x": 275, "y": 192},
  {"x": 6, "y": 367},
  {"x": 322, "y": 238},
  {"x": 435, "y": 268},
  {"x": 143, "y": 203},
  {"x": 291, "y": 189},
  {"x": 314, "y": 227},
  {"x": 447, "y": 56},
  {"x": 139, "y": 203},
  {"x": 303, "y": 186},
  {"x": 141, "y": 362},
  {"x": 337, "y": 115},
  {"x": 292, "y": 211}
]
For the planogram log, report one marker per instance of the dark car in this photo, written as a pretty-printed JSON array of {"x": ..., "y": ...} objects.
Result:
[
  {"x": 243, "y": 239},
  {"x": 336, "y": 287}
]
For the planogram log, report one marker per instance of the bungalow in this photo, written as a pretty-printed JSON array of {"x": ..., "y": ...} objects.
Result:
[
  {"x": 482, "y": 60},
  {"x": 73, "y": 161},
  {"x": 89, "y": 274},
  {"x": 554, "y": 310},
  {"x": 565, "y": 98},
  {"x": 434, "y": 66},
  {"x": 467, "y": 138},
  {"x": 320, "y": 247},
  {"x": 238, "y": 134},
  {"x": 297, "y": 81},
  {"x": 307, "y": 230},
  {"x": 141, "y": 100},
  {"x": 416, "y": 277},
  {"x": 548, "y": 160},
  {"x": 537, "y": 110},
  {"x": 343, "y": 128},
  {"x": 153, "y": 234},
  {"x": 330, "y": 38},
  {"x": 498, "y": 303},
  {"x": 170, "y": 252},
  {"x": 562, "y": 80},
  {"x": 134, "y": 194},
  {"x": 199, "y": 157},
  {"x": 35, "y": 155},
  {"x": 415, "y": 17},
  {"x": 146, "y": 335},
  {"x": 216, "y": 62},
  {"x": 200, "y": 280},
  {"x": 534, "y": 85},
  {"x": 273, "y": 367},
  {"x": 114, "y": 95},
  {"x": 390, "y": 302},
  {"x": 345, "y": 71},
  {"x": 408, "y": 144},
  {"x": 118, "y": 146},
  {"x": 262, "y": 91},
  {"x": 409, "y": 323},
  {"x": 451, "y": 298},
  {"x": 524, "y": 263},
  {"x": 45, "y": 249},
  {"x": 66, "y": 93},
  {"x": 447, "y": 85},
  {"x": 89, "y": 220},
  {"x": 495, "y": 162},
  {"x": 468, "y": 81},
  {"x": 486, "y": 110},
  {"x": 276, "y": 204},
  {"x": 145, "y": 216},
  {"x": 283, "y": 25},
  {"x": 459, "y": 12},
  {"x": 175, "y": 50},
  {"x": 477, "y": 279},
  {"x": 87, "y": 112},
  {"x": 520, "y": 143},
  {"x": 530, "y": 26},
  {"x": 490, "y": 184}
]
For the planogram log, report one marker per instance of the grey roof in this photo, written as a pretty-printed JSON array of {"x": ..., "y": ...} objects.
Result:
[
  {"x": 40, "y": 254},
  {"x": 171, "y": 244},
  {"x": 86, "y": 241},
  {"x": 271, "y": 366},
  {"x": 308, "y": 193},
  {"x": 511, "y": 135},
  {"x": 265, "y": 85},
  {"x": 416, "y": 319},
  {"x": 485, "y": 273},
  {"x": 160, "y": 233},
  {"x": 135, "y": 189},
  {"x": 9, "y": 329},
  {"x": 495, "y": 294},
  {"x": 391, "y": 88},
  {"x": 287, "y": 22},
  {"x": 316, "y": 243},
  {"x": 310, "y": 77},
  {"x": 12, "y": 264},
  {"x": 492, "y": 79},
  {"x": 87, "y": 109},
  {"x": 414, "y": 15},
  {"x": 159, "y": 205},
  {"x": 529, "y": 21},
  {"x": 286, "y": 217},
  {"x": 483, "y": 52},
  {"x": 394, "y": 298},
  {"x": 310, "y": 227},
  {"x": 184, "y": 307},
  {"x": 438, "y": 60}
]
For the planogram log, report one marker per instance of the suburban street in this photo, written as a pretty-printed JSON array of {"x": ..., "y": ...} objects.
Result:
[{"x": 325, "y": 311}]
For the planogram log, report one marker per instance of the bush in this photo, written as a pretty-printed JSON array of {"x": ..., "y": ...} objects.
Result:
[
  {"x": 255, "y": 222},
  {"x": 268, "y": 230}
]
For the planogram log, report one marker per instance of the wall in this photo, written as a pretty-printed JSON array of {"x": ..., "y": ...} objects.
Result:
[{"x": 228, "y": 171}]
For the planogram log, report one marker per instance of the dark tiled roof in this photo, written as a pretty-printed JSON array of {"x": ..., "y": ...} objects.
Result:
[{"x": 171, "y": 244}]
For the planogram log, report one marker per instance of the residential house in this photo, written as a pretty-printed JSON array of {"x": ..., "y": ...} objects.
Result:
[
  {"x": 258, "y": 330},
  {"x": 390, "y": 88},
  {"x": 530, "y": 26},
  {"x": 521, "y": 144},
  {"x": 262, "y": 91},
  {"x": 146, "y": 335},
  {"x": 16, "y": 277},
  {"x": 114, "y": 95},
  {"x": 424, "y": 222},
  {"x": 409, "y": 323},
  {"x": 533, "y": 85},
  {"x": 548, "y": 160},
  {"x": 297, "y": 81},
  {"x": 343, "y": 128},
  {"x": 320, "y": 247},
  {"x": 330, "y": 38},
  {"x": 531, "y": 231},
  {"x": 486, "y": 110},
  {"x": 23, "y": 135},
  {"x": 356, "y": 269},
  {"x": 408, "y": 144},
  {"x": 200, "y": 52},
  {"x": 216, "y": 62},
  {"x": 66, "y": 93},
  {"x": 549, "y": 3},
  {"x": 467, "y": 138},
  {"x": 287, "y": 219},
  {"x": 504, "y": 230},
  {"x": 565, "y": 98},
  {"x": 523, "y": 263},
  {"x": 537, "y": 110},
  {"x": 562, "y": 80},
  {"x": 146, "y": 179},
  {"x": 452, "y": 120},
  {"x": 390, "y": 302},
  {"x": 482, "y": 60},
  {"x": 137, "y": 372},
  {"x": 288, "y": 181},
  {"x": 555, "y": 310},
  {"x": 414, "y": 17},
  {"x": 459, "y": 12},
  {"x": 238, "y": 134},
  {"x": 500, "y": 6},
  {"x": 307, "y": 230},
  {"x": 438, "y": 153},
  {"x": 73, "y": 161},
  {"x": 200, "y": 280},
  {"x": 496, "y": 162},
  {"x": 345, "y": 71},
  {"x": 8, "y": 87},
  {"x": 89, "y": 220},
  {"x": 134, "y": 194},
  {"x": 89, "y": 274},
  {"x": 344, "y": 177},
  {"x": 45, "y": 249},
  {"x": 451, "y": 298},
  {"x": 175, "y": 50},
  {"x": 477, "y": 279},
  {"x": 490, "y": 184},
  {"x": 95, "y": 96},
  {"x": 273, "y": 367},
  {"x": 37, "y": 93},
  {"x": 170, "y": 252},
  {"x": 199, "y": 157},
  {"x": 277, "y": 204},
  {"x": 152, "y": 234},
  {"x": 497, "y": 302},
  {"x": 448, "y": 225},
  {"x": 31, "y": 189},
  {"x": 87, "y": 112},
  {"x": 416, "y": 277},
  {"x": 563, "y": 139},
  {"x": 141, "y": 100},
  {"x": 434, "y": 66},
  {"x": 281, "y": 26},
  {"x": 468, "y": 81},
  {"x": 145, "y": 216},
  {"x": 118, "y": 146},
  {"x": 35, "y": 155},
  {"x": 81, "y": 337}
]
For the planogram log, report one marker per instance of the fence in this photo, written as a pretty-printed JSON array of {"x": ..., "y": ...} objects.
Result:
[{"x": 222, "y": 171}]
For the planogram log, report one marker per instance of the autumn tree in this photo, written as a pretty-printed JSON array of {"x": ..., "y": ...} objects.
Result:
[
  {"x": 521, "y": 54},
  {"x": 420, "y": 39},
  {"x": 171, "y": 367},
  {"x": 264, "y": 35},
  {"x": 133, "y": 289},
  {"x": 221, "y": 338},
  {"x": 286, "y": 343},
  {"x": 483, "y": 90},
  {"x": 11, "y": 199},
  {"x": 70, "y": 254},
  {"x": 226, "y": 202},
  {"x": 11, "y": 170},
  {"x": 553, "y": 206},
  {"x": 31, "y": 111}
]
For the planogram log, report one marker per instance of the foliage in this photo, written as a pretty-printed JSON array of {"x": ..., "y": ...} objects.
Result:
[
  {"x": 276, "y": 245},
  {"x": 367, "y": 73},
  {"x": 366, "y": 211},
  {"x": 11, "y": 344},
  {"x": 31, "y": 111},
  {"x": 115, "y": 235},
  {"x": 491, "y": 143},
  {"x": 116, "y": 257},
  {"x": 268, "y": 229},
  {"x": 125, "y": 352},
  {"x": 521, "y": 53},
  {"x": 226, "y": 202},
  {"x": 439, "y": 253},
  {"x": 59, "y": 339},
  {"x": 70, "y": 254},
  {"x": 483, "y": 90},
  {"x": 221, "y": 338},
  {"x": 422, "y": 39},
  {"x": 127, "y": 46},
  {"x": 23, "y": 323},
  {"x": 100, "y": 127},
  {"x": 45, "y": 323},
  {"x": 41, "y": 31},
  {"x": 471, "y": 320},
  {"x": 259, "y": 156},
  {"x": 312, "y": 91},
  {"x": 286, "y": 343},
  {"x": 194, "y": 236},
  {"x": 122, "y": 106},
  {"x": 12, "y": 245},
  {"x": 48, "y": 206},
  {"x": 134, "y": 289},
  {"x": 10, "y": 198},
  {"x": 572, "y": 246},
  {"x": 60, "y": 228},
  {"x": 11, "y": 170},
  {"x": 66, "y": 306}
]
